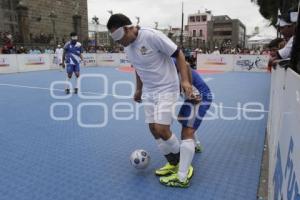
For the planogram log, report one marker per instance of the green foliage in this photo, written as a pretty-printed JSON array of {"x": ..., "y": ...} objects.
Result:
[{"x": 269, "y": 8}]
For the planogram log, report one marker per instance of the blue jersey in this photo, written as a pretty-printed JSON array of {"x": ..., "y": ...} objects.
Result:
[
  {"x": 199, "y": 86},
  {"x": 192, "y": 116},
  {"x": 73, "y": 52}
]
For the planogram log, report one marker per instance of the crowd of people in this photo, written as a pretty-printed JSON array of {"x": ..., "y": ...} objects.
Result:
[
  {"x": 9, "y": 47},
  {"x": 277, "y": 48}
]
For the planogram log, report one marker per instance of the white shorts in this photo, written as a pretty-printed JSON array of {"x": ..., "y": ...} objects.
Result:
[{"x": 160, "y": 110}]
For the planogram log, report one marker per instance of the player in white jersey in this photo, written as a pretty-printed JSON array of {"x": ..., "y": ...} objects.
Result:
[
  {"x": 150, "y": 52},
  {"x": 59, "y": 51}
]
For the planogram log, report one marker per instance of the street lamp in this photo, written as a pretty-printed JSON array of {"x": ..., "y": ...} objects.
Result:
[
  {"x": 53, "y": 17},
  {"x": 110, "y": 12},
  {"x": 138, "y": 20},
  {"x": 95, "y": 21},
  {"x": 156, "y": 25}
]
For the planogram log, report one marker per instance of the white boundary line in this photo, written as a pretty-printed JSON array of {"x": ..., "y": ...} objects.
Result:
[{"x": 94, "y": 93}]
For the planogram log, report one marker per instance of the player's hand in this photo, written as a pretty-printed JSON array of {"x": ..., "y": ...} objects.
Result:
[
  {"x": 187, "y": 89},
  {"x": 84, "y": 63},
  {"x": 195, "y": 99},
  {"x": 137, "y": 96}
]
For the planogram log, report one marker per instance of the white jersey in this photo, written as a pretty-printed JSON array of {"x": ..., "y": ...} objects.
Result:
[
  {"x": 150, "y": 54},
  {"x": 59, "y": 54},
  {"x": 286, "y": 51}
]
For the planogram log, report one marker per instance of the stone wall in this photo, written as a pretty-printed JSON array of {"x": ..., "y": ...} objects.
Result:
[{"x": 40, "y": 21}]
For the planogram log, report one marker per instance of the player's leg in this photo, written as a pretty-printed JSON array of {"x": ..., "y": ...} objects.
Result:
[
  {"x": 69, "y": 70},
  {"x": 162, "y": 117},
  {"x": 169, "y": 146},
  {"x": 205, "y": 105},
  {"x": 198, "y": 145},
  {"x": 77, "y": 74},
  {"x": 59, "y": 63},
  {"x": 187, "y": 117}
]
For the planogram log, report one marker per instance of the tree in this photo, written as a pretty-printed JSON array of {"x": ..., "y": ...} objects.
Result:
[{"x": 269, "y": 8}]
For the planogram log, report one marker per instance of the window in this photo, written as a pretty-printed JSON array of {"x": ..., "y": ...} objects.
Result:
[
  {"x": 201, "y": 33},
  {"x": 192, "y": 19},
  {"x": 194, "y": 33},
  {"x": 198, "y": 19},
  {"x": 204, "y": 18},
  {"x": 222, "y": 33}
]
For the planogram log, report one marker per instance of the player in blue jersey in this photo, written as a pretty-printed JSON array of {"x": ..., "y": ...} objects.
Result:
[
  {"x": 190, "y": 116},
  {"x": 72, "y": 57}
]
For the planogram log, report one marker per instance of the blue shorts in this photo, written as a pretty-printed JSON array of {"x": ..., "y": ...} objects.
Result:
[
  {"x": 191, "y": 115},
  {"x": 73, "y": 68}
]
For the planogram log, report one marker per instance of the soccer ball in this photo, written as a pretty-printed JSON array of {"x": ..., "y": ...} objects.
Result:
[{"x": 140, "y": 159}]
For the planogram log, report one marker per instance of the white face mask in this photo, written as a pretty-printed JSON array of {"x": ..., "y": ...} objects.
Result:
[
  {"x": 119, "y": 33},
  {"x": 74, "y": 38},
  {"x": 294, "y": 16}
]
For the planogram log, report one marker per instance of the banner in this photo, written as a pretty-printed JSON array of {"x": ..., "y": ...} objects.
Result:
[
  {"x": 90, "y": 59},
  {"x": 34, "y": 62},
  {"x": 251, "y": 63},
  {"x": 124, "y": 62},
  {"x": 284, "y": 137},
  {"x": 8, "y": 63},
  {"x": 108, "y": 60},
  {"x": 215, "y": 62}
]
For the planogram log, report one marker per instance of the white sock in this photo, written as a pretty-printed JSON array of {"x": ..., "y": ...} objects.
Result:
[
  {"x": 69, "y": 81},
  {"x": 196, "y": 139},
  {"x": 173, "y": 144},
  {"x": 163, "y": 147},
  {"x": 169, "y": 146},
  {"x": 187, "y": 151},
  {"x": 76, "y": 82}
]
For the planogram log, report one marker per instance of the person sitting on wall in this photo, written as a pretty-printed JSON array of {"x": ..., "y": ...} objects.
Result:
[
  {"x": 287, "y": 26},
  {"x": 273, "y": 47}
]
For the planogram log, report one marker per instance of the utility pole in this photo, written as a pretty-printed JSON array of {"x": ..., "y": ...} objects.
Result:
[
  {"x": 181, "y": 34},
  {"x": 95, "y": 21},
  {"x": 138, "y": 20},
  {"x": 110, "y": 12}
]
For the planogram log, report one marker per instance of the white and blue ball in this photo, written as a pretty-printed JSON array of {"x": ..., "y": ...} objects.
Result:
[{"x": 140, "y": 159}]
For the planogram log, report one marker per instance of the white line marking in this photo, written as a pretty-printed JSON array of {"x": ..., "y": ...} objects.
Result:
[
  {"x": 94, "y": 93},
  {"x": 208, "y": 79}
]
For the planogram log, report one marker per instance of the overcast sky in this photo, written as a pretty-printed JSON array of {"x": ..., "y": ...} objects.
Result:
[{"x": 168, "y": 12}]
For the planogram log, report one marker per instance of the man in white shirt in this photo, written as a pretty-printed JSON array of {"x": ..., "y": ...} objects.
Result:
[
  {"x": 59, "y": 54},
  {"x": 287, "y": 27},
  {"x": 216, "y": 51},
  {"x": 150, "y": 52}
]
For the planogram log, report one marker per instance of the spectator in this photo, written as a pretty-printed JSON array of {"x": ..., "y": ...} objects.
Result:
[
  {"x": 287, "y": 27},
  {"x": 216, "y": 51},
  {"x": 8, "y": 45},
  {"x": 21, "y": 50},
  {"x": 274, "y": 46},
  {"x": 58, "y": 55}
]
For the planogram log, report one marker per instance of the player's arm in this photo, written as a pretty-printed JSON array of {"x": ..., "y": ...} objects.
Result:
[
  {"x": 139, "y": 87},
  {"x": 81, "y": 56},
  {"x": 63, "y": 58},
  {"x": 185, "y": 73},
  {"x": 166, "y": 46}
]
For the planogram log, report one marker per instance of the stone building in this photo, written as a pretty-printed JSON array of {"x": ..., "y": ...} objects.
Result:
[
  {"x": 44, "y": 21},
  {"x": 223, "y": 31}
]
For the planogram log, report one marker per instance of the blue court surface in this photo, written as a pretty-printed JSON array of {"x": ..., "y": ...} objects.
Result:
[{"x": 46, "y": 159}]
